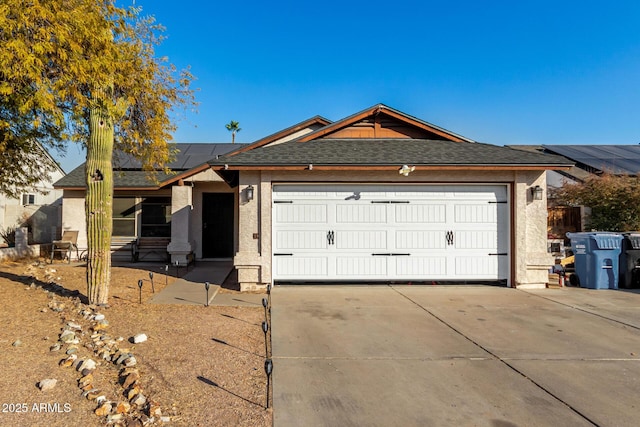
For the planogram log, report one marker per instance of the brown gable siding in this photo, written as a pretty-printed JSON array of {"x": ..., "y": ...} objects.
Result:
[{"x": 382, "y": 126}]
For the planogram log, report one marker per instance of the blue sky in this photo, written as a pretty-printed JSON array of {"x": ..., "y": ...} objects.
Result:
[{"x": 543, "y": 72}]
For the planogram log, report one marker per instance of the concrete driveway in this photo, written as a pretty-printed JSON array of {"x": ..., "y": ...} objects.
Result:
[{"x": 460, "y": 355}]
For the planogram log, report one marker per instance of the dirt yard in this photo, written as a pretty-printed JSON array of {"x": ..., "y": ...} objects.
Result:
[{"x": 201, "y": 366}]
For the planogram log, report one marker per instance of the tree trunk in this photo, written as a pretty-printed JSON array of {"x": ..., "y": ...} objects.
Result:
[{"x": 98, "y": 203}]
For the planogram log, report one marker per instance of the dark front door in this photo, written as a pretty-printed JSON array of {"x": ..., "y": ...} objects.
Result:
[{"x": 217, "y": 225}]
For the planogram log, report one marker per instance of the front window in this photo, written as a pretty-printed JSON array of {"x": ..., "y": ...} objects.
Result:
[
  {"x": 124, "y": 216},
  {"x": 156, "y": 217}
]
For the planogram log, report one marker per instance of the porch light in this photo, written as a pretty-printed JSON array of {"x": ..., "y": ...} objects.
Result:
[
  {"x": 249, "y": 192},
  {"x": 536, "y": 192}
]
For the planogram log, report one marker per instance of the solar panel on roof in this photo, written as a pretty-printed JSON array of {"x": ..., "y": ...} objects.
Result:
[{"x": 617, "y": 159}]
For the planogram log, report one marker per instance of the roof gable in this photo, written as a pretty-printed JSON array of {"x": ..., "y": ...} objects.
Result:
[
  {"x": 292, "y": 132},
  {"x": 382, "y": 122}
]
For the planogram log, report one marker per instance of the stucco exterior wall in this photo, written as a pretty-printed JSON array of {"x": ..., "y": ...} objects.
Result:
[
  {"x": 44, "y": 215},
  {"x": 73, "y": 216},
  {"x": 530, "y": 261}
]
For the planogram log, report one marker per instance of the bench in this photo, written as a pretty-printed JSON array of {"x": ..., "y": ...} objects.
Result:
[
  {"x": 122, "y": 247},
  {"x": 154, "y": 247}
]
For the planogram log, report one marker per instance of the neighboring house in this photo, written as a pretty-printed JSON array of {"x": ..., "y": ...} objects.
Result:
[
  {"x": 588, "y": 160},
  {"x": 379, "y": 196},
  {"x": 38, "y": 208}
]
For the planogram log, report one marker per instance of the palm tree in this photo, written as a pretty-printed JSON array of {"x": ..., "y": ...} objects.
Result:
[{"x": 233, "y": 127}]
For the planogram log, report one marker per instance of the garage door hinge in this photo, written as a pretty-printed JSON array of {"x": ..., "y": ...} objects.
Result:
[
  {"x": 390, "y": 201},
  {"x": 501, "y": 253},
  {"x": 283, "y": 201},
  {"x": 391, "y": 254},
  {"x": 500, "y": 201},
  {"x": 281, "y": 254}
]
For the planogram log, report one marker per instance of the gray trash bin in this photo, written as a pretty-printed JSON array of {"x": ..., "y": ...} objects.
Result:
[{"x": 630, "y": 261}]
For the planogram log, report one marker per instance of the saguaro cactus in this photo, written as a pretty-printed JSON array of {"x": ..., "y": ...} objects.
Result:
[{"x": 99, "y": 201}]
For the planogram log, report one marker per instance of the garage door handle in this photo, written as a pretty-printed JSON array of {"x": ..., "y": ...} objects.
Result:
[
  {"x": 449, "y": 237},
  {"x": 331, "y": 238},
  {"x": 501, "y": 253}
]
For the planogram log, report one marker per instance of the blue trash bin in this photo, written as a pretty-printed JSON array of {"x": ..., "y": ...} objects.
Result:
[{"x": 597, "y": 257}]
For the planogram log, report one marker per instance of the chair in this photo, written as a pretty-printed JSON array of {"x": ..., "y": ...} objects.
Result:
[{"x": 65, "y": 245}]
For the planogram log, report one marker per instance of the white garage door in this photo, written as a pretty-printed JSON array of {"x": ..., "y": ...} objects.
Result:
[{"x": 390, "y": 232}]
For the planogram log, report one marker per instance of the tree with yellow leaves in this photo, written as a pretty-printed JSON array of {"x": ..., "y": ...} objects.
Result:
[{"x": 85, "y": 71}]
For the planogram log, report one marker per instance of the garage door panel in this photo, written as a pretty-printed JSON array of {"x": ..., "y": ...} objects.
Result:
[
  {"x": 295, "y": 267},
  {"x": 485, "y": 213},
  {"x": 476, "y": 239},
  {"x": 365, "y": 239},
  {"x": 474, "y": 267},
  {"x": 419, "y": 239},
  {"x": 360, "y": 213},
  {"x": 413, "y": 213},
  {"x": 363, "y": 266},
  {"x": 300, "y": 213},
  {"x": 299, "y": 239},
  {"x": 433, "y": 267}
]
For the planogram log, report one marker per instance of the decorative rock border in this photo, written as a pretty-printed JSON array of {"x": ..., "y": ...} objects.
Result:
[{"x": 133, "y": 407}]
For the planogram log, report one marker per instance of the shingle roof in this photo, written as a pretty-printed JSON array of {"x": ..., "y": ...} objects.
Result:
[
  {"x": 616, "y": 159},
  {"x": 187, "y": 157},
  {"x": 121, "y": 179},
  {"x": 127, "y": 173},
  {"x": 387, "y": 152}
]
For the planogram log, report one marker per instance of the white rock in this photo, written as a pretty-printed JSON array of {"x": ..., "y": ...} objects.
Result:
[
  {"x": 87, "y": 364},
  {"x": 139, "y": 399},
  {"x": 130, "y": 362},
  {"x": 137, "y": 339},
  {"x": 47, "y": 384},
  {"x": 98, "y": 317},
  {"x": 74, "y": 326},
  {"x": 67, "y": 336}
]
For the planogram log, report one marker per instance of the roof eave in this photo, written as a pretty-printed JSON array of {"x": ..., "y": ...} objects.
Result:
[{"x": 383, "y": 167}]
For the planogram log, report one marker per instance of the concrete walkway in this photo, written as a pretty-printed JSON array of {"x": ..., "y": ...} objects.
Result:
[
  {"x": 460, "y": 355},
  {"x": 189, "y": 289}
]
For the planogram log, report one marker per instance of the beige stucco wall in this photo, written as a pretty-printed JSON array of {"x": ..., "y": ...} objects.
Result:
[
  {"x": 530, "y": 261},
  {"x": 73, "y": 215},
  {"x": 44, "y": 215}
]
